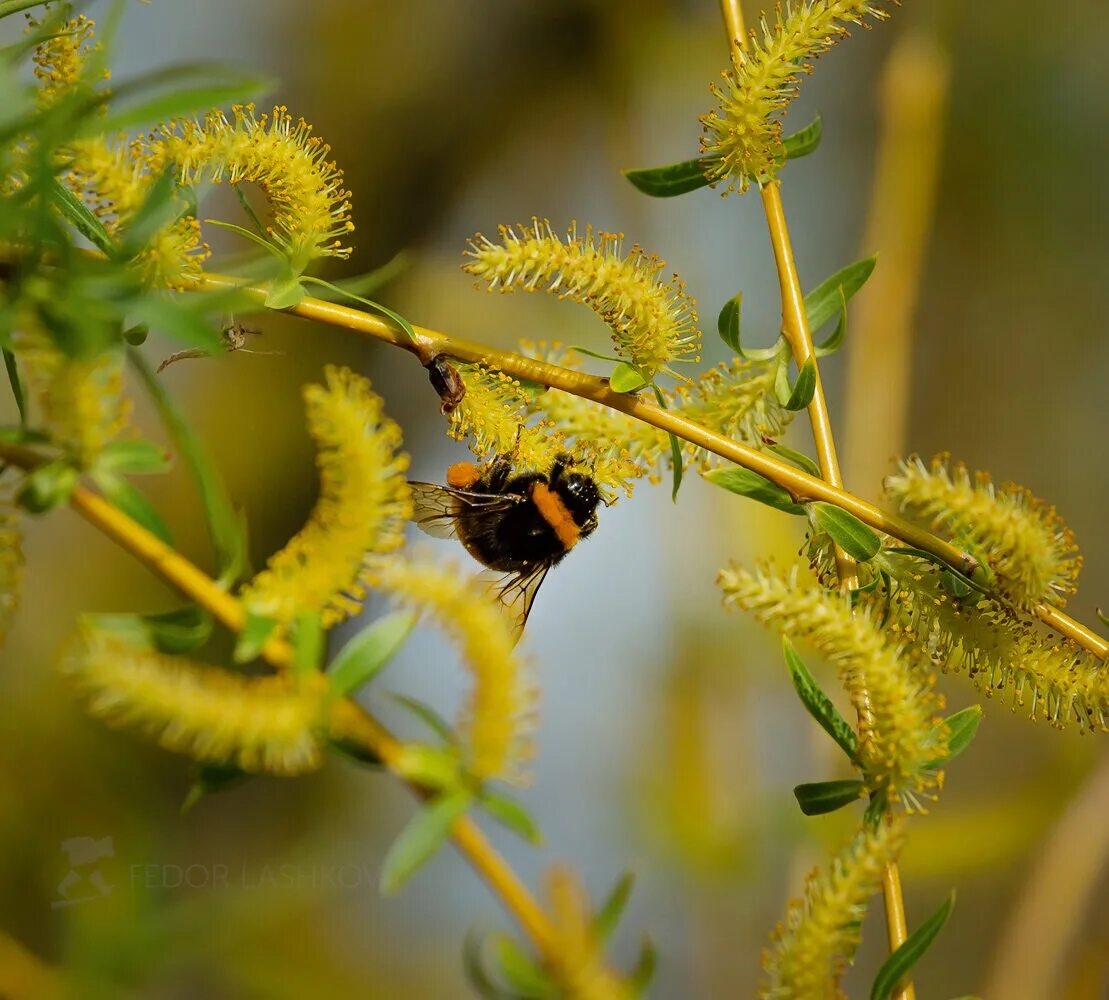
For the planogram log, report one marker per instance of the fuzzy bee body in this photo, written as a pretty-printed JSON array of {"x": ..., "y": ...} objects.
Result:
[{"x": 517, "y": 525}]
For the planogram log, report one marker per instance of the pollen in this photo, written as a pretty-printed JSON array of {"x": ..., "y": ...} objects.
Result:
[
  {"x": 462, "y": 475},
  {"x": 653, "y": 322}
]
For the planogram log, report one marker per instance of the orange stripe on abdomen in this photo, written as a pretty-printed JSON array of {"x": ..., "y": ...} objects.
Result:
[{"x": 554, "y": 512}]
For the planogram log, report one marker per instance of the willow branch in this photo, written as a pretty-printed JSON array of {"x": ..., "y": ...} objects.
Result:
[
  {"x": 349, "y": 721},
  {"x": 798, "y": 483}
]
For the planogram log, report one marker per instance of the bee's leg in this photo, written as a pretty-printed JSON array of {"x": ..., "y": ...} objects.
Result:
[
  {"x": 558, "y": 468},
  {"x": 499, "y": 473}
]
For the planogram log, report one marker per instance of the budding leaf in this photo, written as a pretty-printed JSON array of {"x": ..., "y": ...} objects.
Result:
[
  {"x": 961, "y": 726},
  {"x": 255, "y": 633},
  {"x": 676, "y": 178},
  {"x": 728, "y": 326},
  {"x": 364, "y": 656},
  {"x": 746, "y": 483},
  {"x": 895, "y": 968},
  {"x": 285, "y": 292},
  {"x": 799, "y": 459},
  {"x": 47, "y": 487},
  {"x": 608, "y": 916},
  {"x": 640, "y": 977},
  {"x": 819, "y": 797},
  {"x": 179, "y": 631},
  {"x": 421, "y": 838},
  {"x": 846, "y": 530},
  {"x": 839, "y": 334},
  {"x": 136, "y": 457},
  {"x": 803, "y": 389},
  {"x": 16, "y": 382},
  {"x": 520, "y": 971},
  {"x": 823, "y": 302},
  {"x": 625, "y": 378},
  {"x": 818, "y": 703},
  {"x": 132, "y": 502},
  {"x": 427, "y": 715},
  {"x": 509, "y": 813},
  {"x": 805, "y": 140}
]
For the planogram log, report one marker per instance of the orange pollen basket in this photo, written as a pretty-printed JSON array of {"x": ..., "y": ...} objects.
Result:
[
  {"x": 554, "y": 512},
  {"x": 462, "y": 475}
]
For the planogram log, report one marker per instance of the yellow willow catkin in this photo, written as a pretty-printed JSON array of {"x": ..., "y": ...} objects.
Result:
[
  {"x": 1022, "y": 538},
  {"x": 897, "y": 706},
  {"x": 1052, "y": 678},
  {"x": 497, "y": 721},
  {"x": 653, "y": 322},
  {"x": 80, "y": 399},
  {"x": 361, "y": 513},
  {"x": 60, "y": 60},
  {"x": 743, "y": 132},
  {"x": 269, "y": 724},
  {"x": 494, "y": 416},
  {"x": 815, "y": 944},
  {"x": 11, "y": 560}
]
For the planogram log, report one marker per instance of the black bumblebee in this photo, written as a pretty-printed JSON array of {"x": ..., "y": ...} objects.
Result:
[{"x": 518, "y": 525}]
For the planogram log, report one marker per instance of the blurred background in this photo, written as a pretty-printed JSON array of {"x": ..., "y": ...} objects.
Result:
[{"x": 669, "y": 736}]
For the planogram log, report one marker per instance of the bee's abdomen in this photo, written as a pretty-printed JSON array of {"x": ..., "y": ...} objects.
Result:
[{"x": 512, "y": 540}]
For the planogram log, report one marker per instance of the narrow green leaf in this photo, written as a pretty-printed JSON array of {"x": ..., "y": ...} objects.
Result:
[
  {"x": 396, "y": 317},
  {"x": 371, "y": 281},
  {"x": 256, "y": 632},
  {"x": 248, "y": 210},
  {"x": 430, "y": 767},
  {"x": 818, "y": 703},
  {"x": 819, "y": 797},
  {"x": 677, "y": 460},
  {"x": 285, "y": 292},
  {"x": 473, "y": 961},
  {"x": 746, "y": 483},
  {"x": 129, "y": 499},
  {"x": 846, "y": 530},
  {"x": 625, "y": 378},
  {"x": 962, "y": 726},
  {"x": 804, "y": 141},
  {"x": 210, "y": 779},
  {"x": 896, "y": 968},
  {"x": 908, "y": 550},
  {"x": 309, "y": 642},
  {"x": 876, "y": 808},
  {"x": 158, "y": 210},
  {"x": 823, "y": 302},
  {"x": 364, "y": 656},
  {"x": 81, "y": 217},
  {"x": 271, "y": 248},
  {"x": 427, "y": 715},
  {"x": 676, "y": 178},
  {"x": 16, "y": 382},
  {"x": 165, "y": 314},
  {"x": 509, "y": 813},
  {"x": 839, "y": 334},
  {"x": 520, "y": 970},
  {"x": 608, "y": 916},
  {"x": 421, "y": 838},
  {"x": 181, "y": 630},
  {"x": 802, "y": 391},
  {"x": 728, "y": 325},
  {"x": 801, "y": 460},
  {"x": 1102, "y": 617},
  {"x": 639, "y": 980},
  {"x": 135, "y": 457},
  {"x": 589, "y": 353},
  {"x": 224, "y": 526}
]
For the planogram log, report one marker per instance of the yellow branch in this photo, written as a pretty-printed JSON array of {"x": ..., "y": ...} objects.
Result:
[
  {"x": 348, "y": 721},
  {"x": 800, "y": 484}
]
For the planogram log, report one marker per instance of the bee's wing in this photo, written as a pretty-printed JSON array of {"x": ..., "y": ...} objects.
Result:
[
  {"x": 435, "y": 507},
  {"x": 515, "y": 592}
]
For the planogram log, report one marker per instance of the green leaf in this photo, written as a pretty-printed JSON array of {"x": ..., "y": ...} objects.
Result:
[
  {"x": 81, "y": 217},
  {"x": 371, "y": 281},
  {"x": 964, "y": 580},
  {"x": 364, "y": 656},
  {"x": 224, "y": 526},
  {"x": 746, "y": 483},
  {"x": 397, "y": 318},
  {"x": 136, "y": 335},
  {"x": 895, "y": 968},
  {"x": 158, "y": 210},
  {"x": 285, "y": 292},
  {"x": 215, "y": 85},
  {"x": 962, "y": 726},
  {"x": 520, "y": 970},
  {"x": 16, "y": 382},
  {"x": 509, "y": 813},
  {"x": 675, "y": 179},
  {"x": 256, "y": 632},
  {"x": 801, "y": 392},
  {"x": 429, "y": 767},
  {"x": 421, "y": 838},
  {"x": 801, "y": 460},
  {"x": 271, "y": 248},
  {"x": 818, "y": 703},
  {"x": 1102, "y": 617},
  {"x": 625, "y": 378},
  {"x": 823, "y": 302},
  {"x": 677, "y": 461},
  {"x": 593, "y": 354},
  {"x": 473, "y": 961},
  {"x": 639, "y": 980},
  {"x": 728, "y": 326},
  {"x": 309, "y": 642},
  {"x": 835, "y": 341},
  {"x": 608, "y": 916},
  {"x": 181, "y": 630},
  {"x": 212, "y": 778},
  {"x": 846, "y": 530},
  {"x": 248, "y": 209},
  {"x": 819, "y": 797},
  {"x": 428, "y": 716},
  {"x": 804, "y": 141},
  {"x": 876, "y": 808},
  {"x": 129, "y": 499},
  {"x": 165, "y": 314},
  {"x": 136, "y": 457}
]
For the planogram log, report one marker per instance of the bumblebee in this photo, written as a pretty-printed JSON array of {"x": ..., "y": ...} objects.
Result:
[{"x": 517, "y": 525}]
